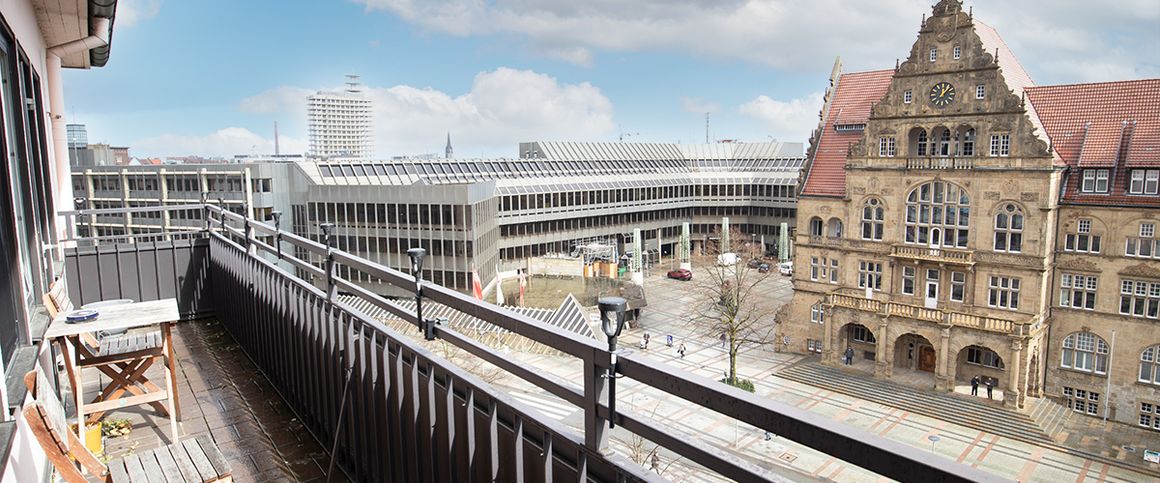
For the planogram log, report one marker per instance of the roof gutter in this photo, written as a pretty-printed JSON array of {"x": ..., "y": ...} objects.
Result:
[{"x": 99, "y": 37}]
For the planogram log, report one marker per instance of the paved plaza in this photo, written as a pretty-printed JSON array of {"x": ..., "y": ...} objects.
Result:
[{"x": 667, "y": 313}]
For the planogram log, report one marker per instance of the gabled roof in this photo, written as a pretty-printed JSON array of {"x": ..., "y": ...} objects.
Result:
[
  {"x": 1113, "y": 125},
  {"x": 854, "y": 94}
]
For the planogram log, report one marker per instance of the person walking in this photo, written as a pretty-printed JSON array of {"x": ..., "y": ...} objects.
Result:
[
  {"x": 669, "y": 340},
  {"x": 849, "y": 356},
  {"x": 646, "y": 339},
  {"x": 722, "y": 341},
  {"x": 681, "y": 350},
  {"x": 975, "y": 386},
  {"x": 990, "y": 386}
]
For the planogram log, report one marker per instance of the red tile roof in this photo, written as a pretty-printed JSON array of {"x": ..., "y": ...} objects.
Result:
[
  {"x": 853, "y": 97},
  {"x": 1107, "y": 124}
]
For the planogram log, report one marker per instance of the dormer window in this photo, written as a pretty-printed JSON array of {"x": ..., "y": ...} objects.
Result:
[
  {"x": 1094, "y": 181},
  {"x": 958, "y": 52},
  {"x": 1144, "y": 182},
  {"x": 907, "y": 97},
  {"x": 933, "y": 54}
]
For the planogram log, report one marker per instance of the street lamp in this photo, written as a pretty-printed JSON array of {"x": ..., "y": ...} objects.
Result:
[
  {"x": 417, "y": 254},
  {"x": 612, "y": 307}
]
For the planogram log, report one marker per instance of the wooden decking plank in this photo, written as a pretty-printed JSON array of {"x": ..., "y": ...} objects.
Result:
[
  {"x": 151, "y": 466},
  {"x": 188, "y": 471},
  {"x": 117, "y": 472},
  {"x": 215, "y": 456},
  {"x": 200, "y": 461},
  {"x": 169, "y": 465},
  {"x": 135, "y": 470}
]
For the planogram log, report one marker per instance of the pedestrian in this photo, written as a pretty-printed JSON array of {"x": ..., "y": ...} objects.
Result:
[
  {"x": 975, "y": 386},
  {"x": 990, "y": 386},
  {"x": 655, "y": 463},
  {"x": 669, "y": 340},
  {"x": 646, "y": 338},
  {"x": 849, "y": 356},
  {"x": 681, "y": 350},
  {"x": 722, "y": 341},
  {"x": 768, "y": 436}
]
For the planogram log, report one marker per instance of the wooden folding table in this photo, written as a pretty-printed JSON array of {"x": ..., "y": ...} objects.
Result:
[{"x": 123, "y": 358}]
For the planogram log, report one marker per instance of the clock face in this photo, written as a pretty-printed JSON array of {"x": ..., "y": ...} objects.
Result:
[{"x": 942, "y": 94}]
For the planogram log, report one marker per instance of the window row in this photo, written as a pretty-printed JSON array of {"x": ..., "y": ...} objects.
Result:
[{"x": 1139, "y": 182}]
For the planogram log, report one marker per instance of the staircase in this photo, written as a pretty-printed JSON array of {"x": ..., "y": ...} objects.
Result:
[
  {"x": 1048, "y": 414},
  {"x": 947, "y": 407}
]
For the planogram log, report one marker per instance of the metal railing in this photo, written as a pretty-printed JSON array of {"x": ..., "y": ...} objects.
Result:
[
  {"x": 402, "y": 413},
  {"x": 938, "y": 316}
]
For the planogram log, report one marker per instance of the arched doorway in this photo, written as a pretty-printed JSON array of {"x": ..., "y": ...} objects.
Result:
[
  {"x": 915, "y": 352},
  {"x": 982, "y": 362},
  {"x": 862, "y": 344}
]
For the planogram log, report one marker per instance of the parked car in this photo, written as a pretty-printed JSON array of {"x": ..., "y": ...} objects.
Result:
[
  {"x": 754, "y": 263},
  {"x": 727, "y": 259},
  {"x": 763, "y": 268},
  {"x": 681, "y": 274},
  {"x": 786, "y": 268}
]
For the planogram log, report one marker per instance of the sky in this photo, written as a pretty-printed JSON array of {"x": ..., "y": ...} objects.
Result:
[{"x": 212, "y": 77}]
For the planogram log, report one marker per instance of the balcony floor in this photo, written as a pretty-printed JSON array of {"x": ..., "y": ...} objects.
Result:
[{"x": 224, "y": 395}]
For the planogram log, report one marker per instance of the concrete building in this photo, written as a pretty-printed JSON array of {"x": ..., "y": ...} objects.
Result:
[
  {"x": 960, "y": 221},
  {"x": 484, "y": 214},
  {"x": 340, "y": 123}
]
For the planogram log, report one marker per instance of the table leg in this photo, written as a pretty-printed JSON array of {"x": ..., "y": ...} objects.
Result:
[
  {"x": 74, "y": 376},
  {"x": 170, "y": 376}
]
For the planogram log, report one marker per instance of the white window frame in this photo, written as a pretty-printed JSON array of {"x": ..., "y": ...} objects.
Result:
[
  {"x": 833, "y": 270},
  {"x": 982, "y": 356},
  {"x": 869, "y": 271},
  {"x": 1000, "y": 145},
  {"x": 958, "y": 52},
  {"x": 1149, "y": 415},
  {"x": 1149, "y": 366},
  {"x": 818, "y": 313},
  {"x": 1144, "y": 182},
  {"x": 814, "y": 269},
  {"x": 1003, "y": 292},
  {"x": 1140, "y": 298},
  {"x": 861, "y": 333},
  {"x": 1009, "y": 222},
  {"x": 886, "y": 147},
  {"x": 907, "y": 97},
  {"x": 1094, "y": 181},
  {"x": 873, "y": 219},
  {"x": 958, "y": 286},
  {"x": 980, "y": 91},
  {"x": 909, "y": 276},
  {"x": 1085, "y": 352},
  {"x": 934, "y": 54},
  {"x": 1078, "y": 291}
]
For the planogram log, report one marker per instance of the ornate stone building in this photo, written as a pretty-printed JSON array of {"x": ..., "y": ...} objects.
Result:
[{"x": 939, "y": 223}]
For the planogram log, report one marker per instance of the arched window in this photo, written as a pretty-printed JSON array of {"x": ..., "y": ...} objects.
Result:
[
  {"x": 942, "y": 136},
  {"x": 873, "y": 216},
  {"x": 938, "y": 214},
  {"x": 922, "y": 140},
  {"x": 834, "y": 228},
  {"x": 917, "y": 140},
  {"x": 967, "y": 148},
  {"x": 1009, "y": 229},
  {"x": 815, "y": 226},
  {"x": 1150, "y": 365},
  {"x": 1085, "y": 351}
]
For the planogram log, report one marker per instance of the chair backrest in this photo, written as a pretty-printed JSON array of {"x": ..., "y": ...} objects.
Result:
[
  {"x": 45, "y": 417},
  {"x": 56, "y": 300}
]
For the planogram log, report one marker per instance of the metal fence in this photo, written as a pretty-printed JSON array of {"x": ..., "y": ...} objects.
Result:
[{"x": 401, "y": 413}]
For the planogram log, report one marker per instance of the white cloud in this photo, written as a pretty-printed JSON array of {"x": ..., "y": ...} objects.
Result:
[
  {"x": 697, "y": 105},
  {"x": 225, "y": 143},
  {"x": 785, "y": 120},
  {"x": 795, "y": 35},
  {"x": 130, "y": 12},
  {"x": 503, "y": 107}
]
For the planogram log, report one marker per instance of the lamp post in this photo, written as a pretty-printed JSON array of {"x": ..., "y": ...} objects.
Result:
[
  {"x": 417, "y": 254},
  {"x": 331, "y": 289},
  {"x": 612, "y": 322},
  {"x": 79, "y": 203},
  {"x": 277, "y": 215}
]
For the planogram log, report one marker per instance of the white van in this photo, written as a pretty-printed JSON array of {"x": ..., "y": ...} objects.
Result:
[
  {"x": 727, "y": 259},
  {"x": 786, "y": 268}
]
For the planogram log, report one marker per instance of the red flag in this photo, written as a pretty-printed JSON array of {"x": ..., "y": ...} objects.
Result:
[
  {"x": 476, "y": 287},
  {"x": 523, "y": 286}
]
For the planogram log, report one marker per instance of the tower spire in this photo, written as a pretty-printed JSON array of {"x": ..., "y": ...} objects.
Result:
[{"x": 448, "y": 152}]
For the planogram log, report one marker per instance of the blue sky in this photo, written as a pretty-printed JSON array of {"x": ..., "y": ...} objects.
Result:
[{"x": 210, "y": 77}]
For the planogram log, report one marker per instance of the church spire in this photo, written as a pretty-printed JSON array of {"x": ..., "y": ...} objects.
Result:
[{"x": 448, "y": 152}]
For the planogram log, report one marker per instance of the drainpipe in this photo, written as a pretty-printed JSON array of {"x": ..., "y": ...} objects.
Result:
[{"x": 100, "y": 38}]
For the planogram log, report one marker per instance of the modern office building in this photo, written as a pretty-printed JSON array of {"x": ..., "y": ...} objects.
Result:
[
  {"x": 960, "y": 221},
  {"x": 484, "y": 214},
  {"x": 340, "y": 123}
]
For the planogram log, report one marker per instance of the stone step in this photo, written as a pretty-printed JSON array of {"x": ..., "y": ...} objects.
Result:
[
  {"x": 973, "y": 414},
  {"x": 1050, "y": 415}
]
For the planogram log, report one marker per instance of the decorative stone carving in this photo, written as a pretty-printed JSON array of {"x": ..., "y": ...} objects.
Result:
[
  {"x": 1010, "y": 187},
  {"x": 824, "y": 210},
  {"x": 991, "y": 195},
  {"x": 1080, "y": 264},
  {"x": 1029, "y": 196},
  {"x": 873, "y": 183},
  {"x": 1149, "y": 270},
  {"x": 1007, "y": 259},
  {"x": 858, "y": 190}
]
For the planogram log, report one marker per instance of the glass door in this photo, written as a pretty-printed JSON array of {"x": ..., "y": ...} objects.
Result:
[{"x": 931, "y": 288}]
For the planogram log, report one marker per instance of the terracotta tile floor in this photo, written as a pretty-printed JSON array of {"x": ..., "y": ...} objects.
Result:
[{"x": 223, "y": 394}]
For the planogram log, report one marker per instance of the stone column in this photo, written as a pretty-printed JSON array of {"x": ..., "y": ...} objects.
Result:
[
  {"x": 827, "y": 338},
  {"x": 883, "y": 352},
  {"x": 1012, "y": 396},
  {"x": 943, "y": 381}
]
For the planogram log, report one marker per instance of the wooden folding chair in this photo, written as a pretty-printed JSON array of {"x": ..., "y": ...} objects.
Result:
[{"x": 192, "y": 460}]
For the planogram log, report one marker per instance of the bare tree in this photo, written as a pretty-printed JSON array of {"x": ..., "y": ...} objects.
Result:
[{"x": 734, "y": 313}]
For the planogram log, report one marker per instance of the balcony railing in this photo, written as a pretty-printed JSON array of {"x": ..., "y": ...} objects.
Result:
[
  {"x": 394, "y": 411},
  {"x": 938, "y": 316},
  {"x": 940, "y": 163},
  {"x": 940, "y": 255}
]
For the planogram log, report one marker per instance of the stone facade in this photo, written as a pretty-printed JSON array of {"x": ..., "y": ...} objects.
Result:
[{"x": 981, "y": 256}]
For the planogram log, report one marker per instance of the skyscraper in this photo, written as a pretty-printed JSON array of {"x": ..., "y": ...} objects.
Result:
[{"x": 340, "y": 122}]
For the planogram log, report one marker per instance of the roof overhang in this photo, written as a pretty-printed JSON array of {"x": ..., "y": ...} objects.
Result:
[{"x": 63, "y": 21}]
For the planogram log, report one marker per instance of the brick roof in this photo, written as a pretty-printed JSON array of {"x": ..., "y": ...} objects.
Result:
[
  {"x": 1108, "y": 124},
  {"x": 854, "y": 95}
]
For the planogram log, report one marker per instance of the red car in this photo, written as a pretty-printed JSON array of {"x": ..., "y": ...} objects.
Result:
[{"x": 681, "y": 274}]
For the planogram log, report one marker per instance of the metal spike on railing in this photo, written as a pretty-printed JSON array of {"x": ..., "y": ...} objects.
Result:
[
  {"x": 331, "y": 288},
  {"x": 278, "y": 231}
]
